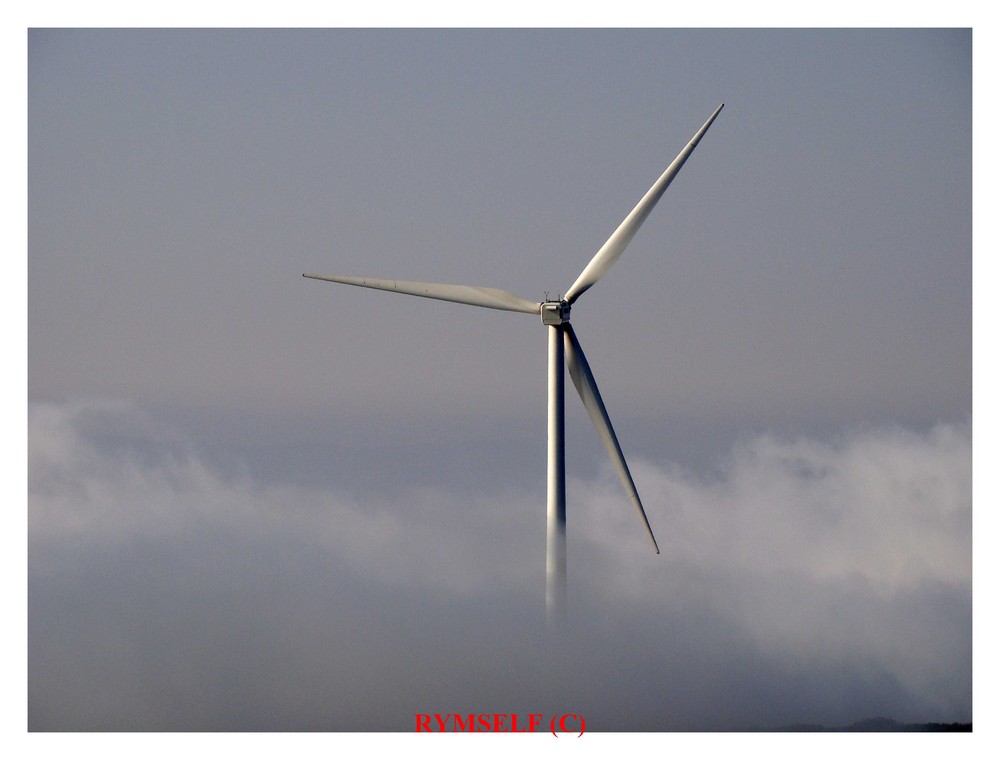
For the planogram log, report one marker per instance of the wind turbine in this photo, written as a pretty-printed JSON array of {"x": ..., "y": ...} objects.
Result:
[{"x": 564, "y": 347}]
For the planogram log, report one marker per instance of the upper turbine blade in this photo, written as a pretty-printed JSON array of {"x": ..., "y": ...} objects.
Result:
[
  {"x": 491, "y": 298},
  {"x": 613, "y": 248},
  {"x": 586, "y": 386}
]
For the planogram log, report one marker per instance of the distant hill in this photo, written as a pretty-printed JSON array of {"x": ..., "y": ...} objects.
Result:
[{"x": 880, "y": 724}]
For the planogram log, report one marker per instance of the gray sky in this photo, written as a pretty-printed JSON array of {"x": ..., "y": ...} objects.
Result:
[{"x": 257, "y": 501}]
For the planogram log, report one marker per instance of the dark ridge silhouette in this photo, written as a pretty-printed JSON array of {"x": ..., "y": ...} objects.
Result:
[{"x": 872, "y": 725}]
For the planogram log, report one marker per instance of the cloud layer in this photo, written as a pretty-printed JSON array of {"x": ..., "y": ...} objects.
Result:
[{"x": 806, "y": 581}]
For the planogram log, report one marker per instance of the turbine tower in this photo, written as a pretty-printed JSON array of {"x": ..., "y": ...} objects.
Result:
[{"x": 564, "y": 348}]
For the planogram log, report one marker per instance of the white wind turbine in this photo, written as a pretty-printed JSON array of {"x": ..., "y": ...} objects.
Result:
[{"x": 563, "y": 346}]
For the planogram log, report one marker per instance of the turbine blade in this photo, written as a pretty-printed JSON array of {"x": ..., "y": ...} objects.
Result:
[
  {"x": 491, "y": 298},
  {"x": 586, "y": 386},
  {"x": 613, "y": 248}
]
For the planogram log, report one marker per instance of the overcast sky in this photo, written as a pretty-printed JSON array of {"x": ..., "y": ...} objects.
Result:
[{"x": 263, "y": 502}]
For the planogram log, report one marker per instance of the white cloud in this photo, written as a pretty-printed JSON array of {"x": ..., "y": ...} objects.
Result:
[
  {"x": 891, "y": 507},
  {"x": 850, "y": 557},
  {"x": 101, "y": 474}
]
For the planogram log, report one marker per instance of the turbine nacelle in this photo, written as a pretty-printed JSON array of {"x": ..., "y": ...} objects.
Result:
[{"x": 554, "y": 312}]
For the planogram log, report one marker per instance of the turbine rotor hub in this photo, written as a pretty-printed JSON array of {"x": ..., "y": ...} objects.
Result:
[{"x": 555, "y": 312}]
